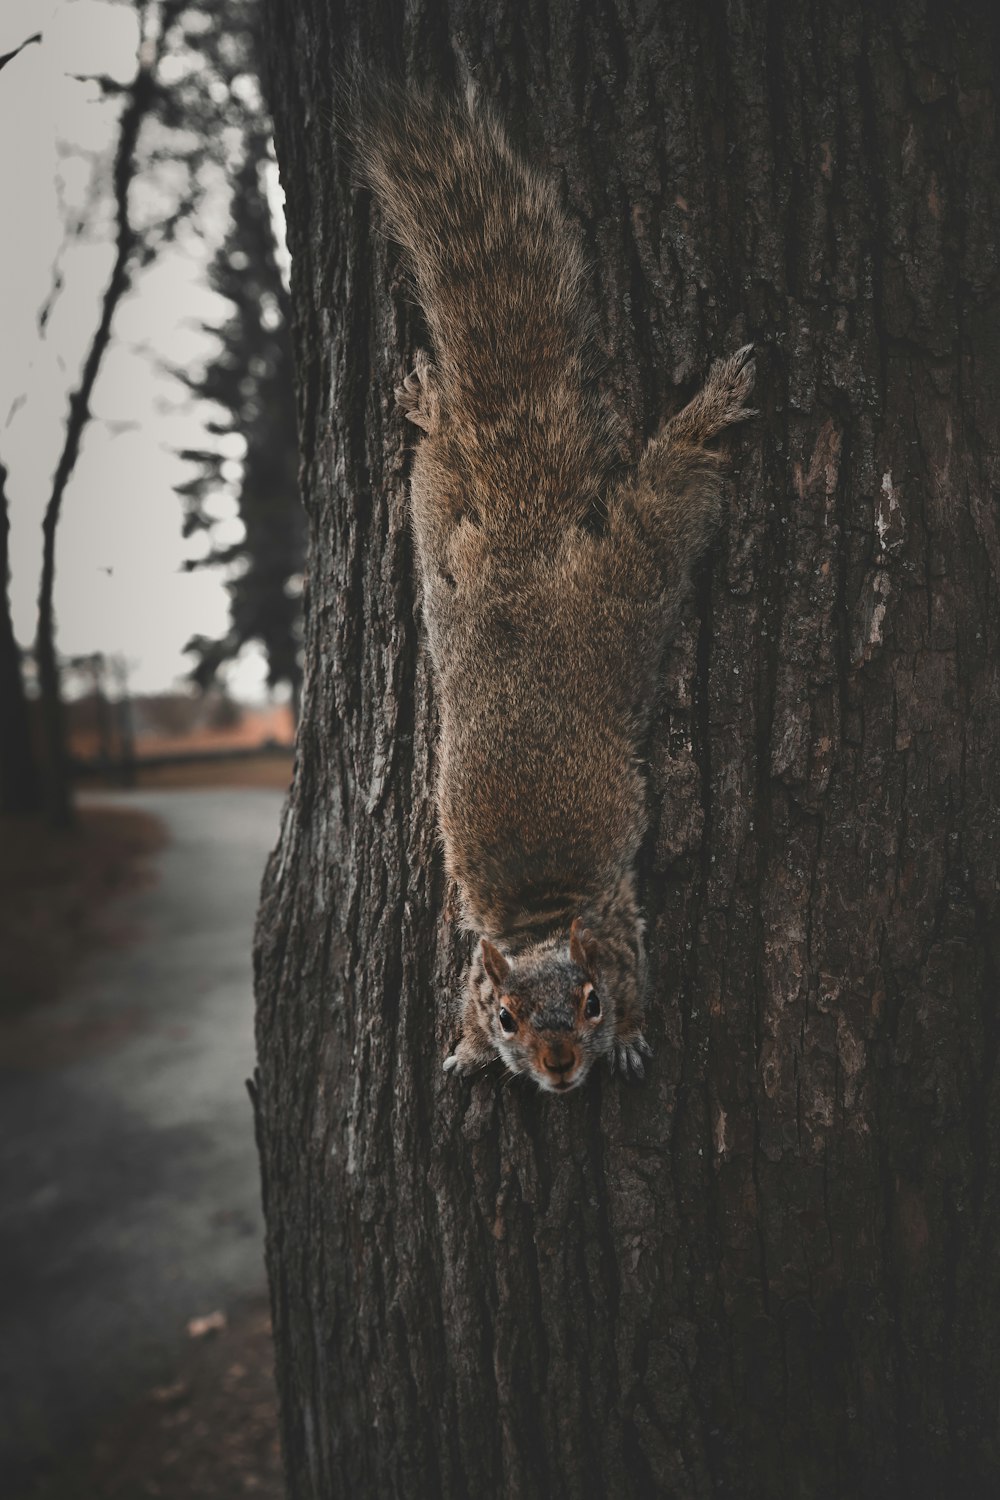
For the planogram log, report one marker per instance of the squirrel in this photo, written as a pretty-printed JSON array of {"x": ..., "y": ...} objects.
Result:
[{"x": 550, "y": 578}]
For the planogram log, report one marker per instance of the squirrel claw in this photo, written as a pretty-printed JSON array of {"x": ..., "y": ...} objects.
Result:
[
  {"x": 414, "y": 396},
  {"x": 730, "y": 382},
  {"x": 628, "y": 1055}
]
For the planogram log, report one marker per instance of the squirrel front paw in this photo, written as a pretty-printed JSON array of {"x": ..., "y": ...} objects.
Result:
[
  {"x": 416, "y": 397},
  {"x": 627, "y": 1056},
  {"x": 467, "y": 1057}
]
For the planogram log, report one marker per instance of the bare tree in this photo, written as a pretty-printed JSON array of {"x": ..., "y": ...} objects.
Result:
[
  {"x": 771, "y": 1270},
  {"x": 140, "y": 98},
  {"x": 20, "y": 791}
]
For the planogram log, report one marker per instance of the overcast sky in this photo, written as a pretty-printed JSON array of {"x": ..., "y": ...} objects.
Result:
[{"x": 120, "y": 580}]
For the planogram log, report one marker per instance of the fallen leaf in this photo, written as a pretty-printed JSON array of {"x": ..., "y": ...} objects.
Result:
[
  {"x": 171, "y": 1395},
  {"x": 212, "y": 1322}
]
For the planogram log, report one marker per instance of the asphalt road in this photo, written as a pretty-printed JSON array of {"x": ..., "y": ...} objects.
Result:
[{"x": 129, "y": 1190}]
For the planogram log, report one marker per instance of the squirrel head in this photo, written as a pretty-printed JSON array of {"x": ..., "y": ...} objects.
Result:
[{"x": 547, "y": 1011}]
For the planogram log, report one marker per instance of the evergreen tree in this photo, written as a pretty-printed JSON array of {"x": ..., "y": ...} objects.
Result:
[{"x": 251, "y": 379}]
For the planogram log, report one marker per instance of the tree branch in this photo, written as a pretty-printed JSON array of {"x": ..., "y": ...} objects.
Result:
[{"x": 9, "y": 56}]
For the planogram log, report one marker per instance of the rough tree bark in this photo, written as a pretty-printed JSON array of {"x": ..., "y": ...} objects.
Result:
[{"x": 771, "y": 1270}]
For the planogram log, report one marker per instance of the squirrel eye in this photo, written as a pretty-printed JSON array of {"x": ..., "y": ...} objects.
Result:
[
  {"x": 593, "y": 1007},
  {"x": 507, "y": 1020}
]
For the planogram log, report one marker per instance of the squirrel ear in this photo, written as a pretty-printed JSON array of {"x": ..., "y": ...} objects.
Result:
[
  {"x": 583, "y": 948},
  {"x": 494, "y": 963}
]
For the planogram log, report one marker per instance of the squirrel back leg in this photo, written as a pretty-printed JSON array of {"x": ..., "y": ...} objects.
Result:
[
  {"x": 452, "y": 551},
  {"x": 719, "y": 404},
  {"x": 673, "y": 498},
  {"x": 435, "y": 504}
]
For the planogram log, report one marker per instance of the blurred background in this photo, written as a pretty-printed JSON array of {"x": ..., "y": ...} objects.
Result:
[{"x": 151, "y": 555}]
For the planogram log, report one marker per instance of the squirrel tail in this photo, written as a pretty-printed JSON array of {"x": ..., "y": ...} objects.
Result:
[{"x": 499, "y": 270}]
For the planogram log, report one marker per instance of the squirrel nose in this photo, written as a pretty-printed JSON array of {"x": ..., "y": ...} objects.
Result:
[{"x": 559, "y": 1064}]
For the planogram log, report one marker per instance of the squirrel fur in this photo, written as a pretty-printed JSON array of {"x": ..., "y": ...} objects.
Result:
[{"x": 550, "y": 579}]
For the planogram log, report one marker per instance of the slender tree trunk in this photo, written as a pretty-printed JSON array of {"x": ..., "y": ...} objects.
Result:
[
  {"x": 102, "y": 710},
  {"x": 141, "y": 98},
  {"x": 771, "y": 1270},
  {"x": 58, "y": 777},
  {"x": 19, "y": 788},
  {"x": 125, "y": 721}
]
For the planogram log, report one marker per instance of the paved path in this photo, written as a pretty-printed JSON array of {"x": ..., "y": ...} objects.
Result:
[{"x": 129, "y": 1192}]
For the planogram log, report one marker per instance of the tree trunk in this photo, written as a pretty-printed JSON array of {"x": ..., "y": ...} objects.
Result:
[
  {"x": 142, "y": 96},
  {"x": 19, "y": 788},
  {"x": 124, "y": 722},
  {"x": 771, "y": 1270}
]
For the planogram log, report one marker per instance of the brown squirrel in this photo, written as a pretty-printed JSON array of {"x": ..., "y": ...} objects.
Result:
[{"x": 550, "y": 579}]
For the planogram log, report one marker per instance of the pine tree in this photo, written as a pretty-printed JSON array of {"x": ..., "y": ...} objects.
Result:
[{"x": 250, "y": 378}]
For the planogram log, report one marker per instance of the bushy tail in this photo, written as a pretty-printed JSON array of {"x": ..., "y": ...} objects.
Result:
[{"x": 498, "y": 267}]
